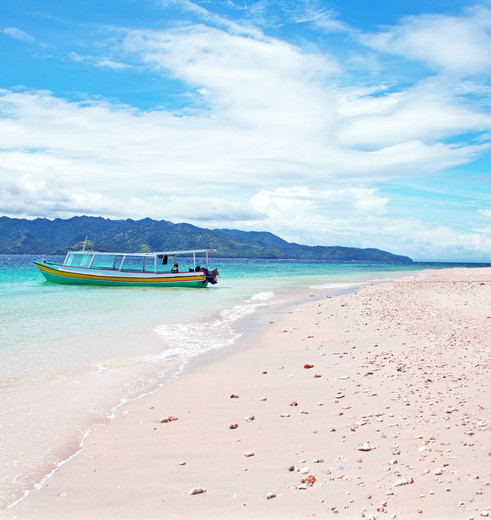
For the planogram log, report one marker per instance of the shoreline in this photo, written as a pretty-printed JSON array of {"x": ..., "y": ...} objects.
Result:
[
  {"x": 180, "y": 366},
  {"x": 250, "y": 328},
  {"x": 175, "y": 369},
  {"x": 214, "y": 454}
]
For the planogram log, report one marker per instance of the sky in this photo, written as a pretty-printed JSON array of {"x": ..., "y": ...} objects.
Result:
[{"x": 343, "y": 122}]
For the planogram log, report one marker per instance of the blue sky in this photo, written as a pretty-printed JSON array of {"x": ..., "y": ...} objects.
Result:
[{"x": 326, "y": 123}]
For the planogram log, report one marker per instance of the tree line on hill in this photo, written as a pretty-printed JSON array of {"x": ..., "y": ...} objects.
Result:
[{"x": 44, "y": 236}]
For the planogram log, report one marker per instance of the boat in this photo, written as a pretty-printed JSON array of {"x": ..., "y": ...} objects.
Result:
[{"x": 158, "y": 269}]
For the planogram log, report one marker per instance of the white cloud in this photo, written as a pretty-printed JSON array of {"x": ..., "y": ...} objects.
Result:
[
  {"x": 99, "y": 61},
  {"x": 426, "y": 240},
  {"x": 197, "y": 208},
  {"x": 457, "y": 44},
  {"x": 214, "y": 19},
  {"x": 18, "y": 34},
  {"x": 317, "y": 216},
  {"x": 298, "y": 221},
  {"x": 329, "y": 202},
  {"x": 283, "y": 96},
  {"x": 262, "y": 73},
  {"x": 429, "y": 111}
]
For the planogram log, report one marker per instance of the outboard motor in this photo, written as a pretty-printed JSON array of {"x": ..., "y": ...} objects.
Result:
[{"x": 211, "y": 276}]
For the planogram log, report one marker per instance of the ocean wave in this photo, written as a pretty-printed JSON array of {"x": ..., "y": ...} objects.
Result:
[
  {"x": 190, "y": 339},
  {"x": 262, "y": 296}
]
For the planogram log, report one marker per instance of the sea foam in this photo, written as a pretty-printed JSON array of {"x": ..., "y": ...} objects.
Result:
[{"x": 190, "y": 339}]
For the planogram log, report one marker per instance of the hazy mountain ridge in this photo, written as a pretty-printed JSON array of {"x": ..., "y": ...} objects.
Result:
[{"x": 44, "y": 236}]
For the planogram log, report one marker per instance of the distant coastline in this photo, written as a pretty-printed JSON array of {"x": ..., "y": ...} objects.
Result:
[{"x": 45, "y": 236}]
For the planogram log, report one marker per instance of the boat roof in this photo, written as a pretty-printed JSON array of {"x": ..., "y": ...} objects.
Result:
[{"x": 153, "y": 253}]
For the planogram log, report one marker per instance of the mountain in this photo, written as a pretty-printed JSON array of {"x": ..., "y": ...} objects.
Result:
[{"x": 44, "y": 236}]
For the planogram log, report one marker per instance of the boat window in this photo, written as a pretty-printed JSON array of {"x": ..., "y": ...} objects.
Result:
[
  {"x": 103, "y": 262},
  {"x": 70, "y": 259},
  {"x": 133, "y": 263},
  {"x": 78, "y": 259}
]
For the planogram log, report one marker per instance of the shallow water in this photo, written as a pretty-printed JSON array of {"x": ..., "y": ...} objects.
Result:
[{"x": 70, "y": 354}]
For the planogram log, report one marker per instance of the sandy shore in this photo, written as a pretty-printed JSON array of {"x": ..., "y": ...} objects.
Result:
[{"x": 370, "y": 405}]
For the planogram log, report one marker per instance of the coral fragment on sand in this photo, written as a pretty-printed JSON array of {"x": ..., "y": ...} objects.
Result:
[
  {"x": 170, "y": 418},
  {"x": 366, "y": 446},
  {"x": 309, "y": 480}
]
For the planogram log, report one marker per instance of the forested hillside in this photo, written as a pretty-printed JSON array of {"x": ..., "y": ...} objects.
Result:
[{"x": 44, "y": 236}]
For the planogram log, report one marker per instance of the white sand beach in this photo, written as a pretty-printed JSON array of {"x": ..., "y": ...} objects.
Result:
[{"x": 368, "y": 405}]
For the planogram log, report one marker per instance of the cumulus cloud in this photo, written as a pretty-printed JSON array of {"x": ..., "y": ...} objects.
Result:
[
  {"x": 361, "y": 217},
  {"x": 317, "y": 215},
  {"x": 408, "y": 236},
  {"x": 430, "y": 240}
]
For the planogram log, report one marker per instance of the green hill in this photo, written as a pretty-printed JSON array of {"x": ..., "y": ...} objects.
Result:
[{"x": 44, "y": 236}]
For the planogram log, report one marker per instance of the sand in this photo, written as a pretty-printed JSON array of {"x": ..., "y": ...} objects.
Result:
[{"x": 369, "y": 405}]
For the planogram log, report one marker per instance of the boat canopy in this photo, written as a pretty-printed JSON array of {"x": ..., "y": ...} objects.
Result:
[
  {"x": 116, "y": 261},
  {"x": 153, "y": 253}
]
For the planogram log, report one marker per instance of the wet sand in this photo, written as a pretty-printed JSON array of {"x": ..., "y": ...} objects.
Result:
[{"x": 368, "y": 405}]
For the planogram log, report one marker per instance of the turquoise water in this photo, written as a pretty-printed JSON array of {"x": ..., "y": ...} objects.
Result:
[{"x": 70, "y": 354}]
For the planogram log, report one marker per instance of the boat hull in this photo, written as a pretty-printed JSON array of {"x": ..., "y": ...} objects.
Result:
[{"x": 83, "y": 276}]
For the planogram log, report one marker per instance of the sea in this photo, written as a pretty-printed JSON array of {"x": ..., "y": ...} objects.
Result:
[{"x": 70, "y": 355}]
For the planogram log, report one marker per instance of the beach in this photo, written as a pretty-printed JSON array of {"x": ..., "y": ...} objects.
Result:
[{"x": 366, "y": 405}]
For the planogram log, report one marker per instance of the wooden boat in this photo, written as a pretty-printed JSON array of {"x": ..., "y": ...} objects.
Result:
[{"x": 129, "y": 269}]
